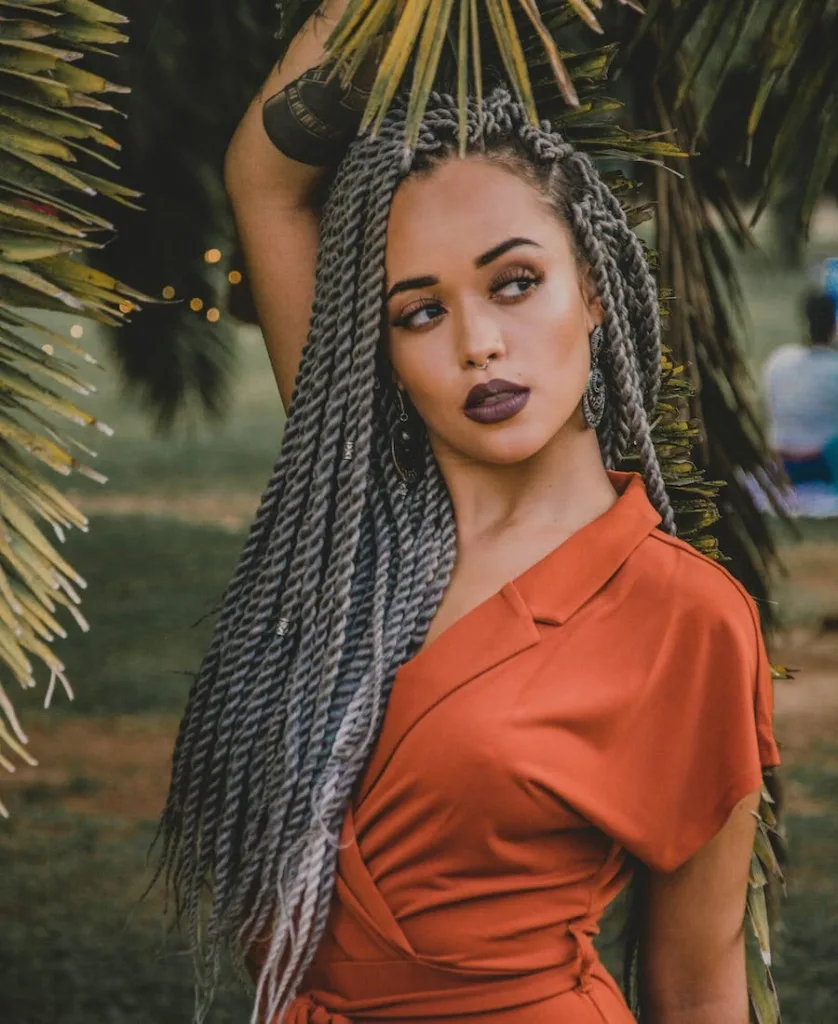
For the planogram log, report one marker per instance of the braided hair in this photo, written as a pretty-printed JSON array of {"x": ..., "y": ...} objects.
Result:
[{"x": 344, "y": 567}]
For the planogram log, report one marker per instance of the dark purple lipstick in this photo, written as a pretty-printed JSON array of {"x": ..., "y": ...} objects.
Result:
[{"x": 495, "y": 401}]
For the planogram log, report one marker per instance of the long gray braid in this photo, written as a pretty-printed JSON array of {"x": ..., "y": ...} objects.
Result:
[{"x": 344, "y": 568}]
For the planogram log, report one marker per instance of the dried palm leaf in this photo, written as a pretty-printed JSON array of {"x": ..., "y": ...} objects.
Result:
[{"x": 418, "y": 31}]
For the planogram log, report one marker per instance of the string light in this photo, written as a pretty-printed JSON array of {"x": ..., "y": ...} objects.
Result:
[
  {"x": 168, "y": 292},
  {"x": 196, "y": 305},
  {"x": 213, "y": 315},
  {"x": 212, "y": 255},
  {"x": 76, "y": 330},
  {"x": 234, "y": 277}
]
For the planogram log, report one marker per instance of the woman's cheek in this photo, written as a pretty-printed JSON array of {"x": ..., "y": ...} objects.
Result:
[
  {"x": 433, "y": 402},
  {"x": 426, "y": 362},
  {"x": 559, "y": 305}
]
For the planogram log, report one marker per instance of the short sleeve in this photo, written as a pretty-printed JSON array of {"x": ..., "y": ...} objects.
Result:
[{"x": 701, "y": 730}]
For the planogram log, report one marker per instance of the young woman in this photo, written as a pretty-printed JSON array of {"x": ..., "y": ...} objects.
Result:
[{"x": 465, "y": 682}]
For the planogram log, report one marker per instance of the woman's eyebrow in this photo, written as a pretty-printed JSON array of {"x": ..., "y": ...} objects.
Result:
[
  {"x": 411, "y": 283},
  {"x": 497, "y": 251}
]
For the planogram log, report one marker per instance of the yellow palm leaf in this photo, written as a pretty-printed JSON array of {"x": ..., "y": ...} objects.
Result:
[
  {"x": 86, "y": 10},
  {"x": 394, "y": 61},
  {"x": 512, "y": 53},
  {"x": 427, "y": 61},
  {"x": 420, "y": 28},
  {"x": 463, "y": 39},
  {"x": 40, "y": 230}
]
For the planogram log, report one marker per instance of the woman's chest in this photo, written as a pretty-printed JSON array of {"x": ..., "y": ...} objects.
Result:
[{"x": 497, "y": 752}]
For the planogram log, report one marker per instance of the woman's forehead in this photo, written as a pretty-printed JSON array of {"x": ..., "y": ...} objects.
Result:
[{"x": 461, "y": 209}]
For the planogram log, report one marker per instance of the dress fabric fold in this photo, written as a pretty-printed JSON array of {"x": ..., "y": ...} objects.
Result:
[{"x": 612, "y": 702}]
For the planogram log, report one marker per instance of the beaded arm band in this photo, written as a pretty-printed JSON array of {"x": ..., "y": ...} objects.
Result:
[{"x": 315, "y": 117}]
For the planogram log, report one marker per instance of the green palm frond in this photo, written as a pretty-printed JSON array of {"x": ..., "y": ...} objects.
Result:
[
  {"x": 788, "y": 53},
  {"x": 698, "y": 225},
  {"x": 46, "y": 233}
]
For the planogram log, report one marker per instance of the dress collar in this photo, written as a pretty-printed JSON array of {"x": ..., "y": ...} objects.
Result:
[{"x": 569, "y": 576}]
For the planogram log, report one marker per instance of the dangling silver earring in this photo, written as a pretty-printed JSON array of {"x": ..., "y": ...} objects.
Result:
[
  {"x": 593, "y": 401},
  {"x": 405, "y": 446}
]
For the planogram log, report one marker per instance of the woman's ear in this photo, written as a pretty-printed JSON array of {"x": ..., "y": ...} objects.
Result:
[{"x": 596, "y": 313}]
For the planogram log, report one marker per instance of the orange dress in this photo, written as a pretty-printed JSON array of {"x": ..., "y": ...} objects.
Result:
[{"x": 614, "y": 699}]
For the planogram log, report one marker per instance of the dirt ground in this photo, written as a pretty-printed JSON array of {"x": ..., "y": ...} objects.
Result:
[
  {"x": 114, "y": 767},
  {"x": 807, "y": 706},
  {"x": 231, "y": 511}
]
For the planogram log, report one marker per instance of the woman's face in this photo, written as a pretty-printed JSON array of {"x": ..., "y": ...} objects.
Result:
[{"x": 483, "y": 289}]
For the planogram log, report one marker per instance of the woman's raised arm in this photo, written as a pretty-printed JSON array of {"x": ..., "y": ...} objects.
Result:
[{"x": 273, "y": 200}]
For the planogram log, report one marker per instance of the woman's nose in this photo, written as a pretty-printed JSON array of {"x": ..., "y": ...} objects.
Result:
[{"x": 481, "y": 339}]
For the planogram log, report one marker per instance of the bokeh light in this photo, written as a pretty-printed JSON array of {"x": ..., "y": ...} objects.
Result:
[
  {"x": 196, "y": 305},
  {"x": 168, "y": 292},
  {"x": 212, "y": 255},
  {"x": 213, "y": 315},
  {"x": 76, "y": 331},
  {"x": 234, "y": 277}
]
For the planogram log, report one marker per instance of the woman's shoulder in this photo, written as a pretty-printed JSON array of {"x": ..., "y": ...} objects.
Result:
[{"x": 685, "y": 584}]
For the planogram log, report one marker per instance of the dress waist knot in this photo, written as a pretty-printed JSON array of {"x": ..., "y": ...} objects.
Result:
[{"x": 304, "y": 1010}]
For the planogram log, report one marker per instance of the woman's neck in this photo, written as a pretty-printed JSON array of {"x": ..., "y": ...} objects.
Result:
[{"x": 561, "y": 488}]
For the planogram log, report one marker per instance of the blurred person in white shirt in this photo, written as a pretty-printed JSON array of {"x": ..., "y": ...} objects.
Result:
[{"x": 801, "y": 393}]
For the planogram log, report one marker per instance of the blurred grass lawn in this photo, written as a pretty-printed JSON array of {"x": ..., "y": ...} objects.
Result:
[{"x": 75, "y": 945}]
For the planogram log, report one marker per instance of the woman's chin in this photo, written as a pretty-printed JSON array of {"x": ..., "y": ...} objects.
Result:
[
  {"x": 515, "y": 441},
  {"x": 510, "y": 447}
]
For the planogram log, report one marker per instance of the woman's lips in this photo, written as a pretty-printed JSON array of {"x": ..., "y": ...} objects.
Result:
[{"x": 495, "y": 401}]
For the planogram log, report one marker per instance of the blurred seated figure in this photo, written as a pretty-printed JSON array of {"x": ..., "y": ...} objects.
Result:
[{"x": 801, "y": 393}]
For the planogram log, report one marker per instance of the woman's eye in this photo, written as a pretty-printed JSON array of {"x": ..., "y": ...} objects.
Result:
[
  {"x": 515, "y": 287},
  {"x": 420, "y": 314}
]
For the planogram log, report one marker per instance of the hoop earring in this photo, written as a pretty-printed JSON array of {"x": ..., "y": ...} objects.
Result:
[
  {"x": 593, "y": 401},
  {"x": 405, "y": 446}
]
